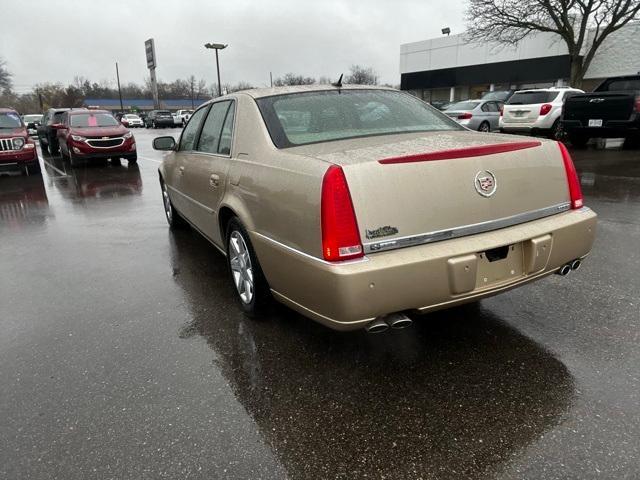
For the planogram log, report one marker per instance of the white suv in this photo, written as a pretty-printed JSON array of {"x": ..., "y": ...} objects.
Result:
[{"x": 535, "y": 111}]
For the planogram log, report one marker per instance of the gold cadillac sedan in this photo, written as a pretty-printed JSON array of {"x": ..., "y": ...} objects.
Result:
[{"x": 358, "y": 205}]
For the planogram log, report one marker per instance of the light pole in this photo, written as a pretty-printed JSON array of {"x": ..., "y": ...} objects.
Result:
[{"x": 216, "y": 47}]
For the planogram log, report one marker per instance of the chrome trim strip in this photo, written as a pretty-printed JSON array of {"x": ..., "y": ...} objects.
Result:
[
  {"x": 310, "y": 257},
  {"x": 465, "y": 230},
  {"x": 201, "y": 205}
]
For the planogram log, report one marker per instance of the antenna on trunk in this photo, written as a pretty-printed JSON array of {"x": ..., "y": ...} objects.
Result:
[{"x": 339, "y": 82}]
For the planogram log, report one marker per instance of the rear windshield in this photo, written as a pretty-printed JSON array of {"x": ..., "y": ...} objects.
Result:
[
  {"x": 324, "y": 116},
  {"x": 163, "y": 112},
  {"x": 10, "y": 120},
  {"x": 33, "y": 118},
  {"x": 620, "y": 85},
  {"x": 528, "y": 98},
  {"x": 462, "y": 106},
  {"x": 132, "y": 116},
  {"x": 93, "y": 120}
]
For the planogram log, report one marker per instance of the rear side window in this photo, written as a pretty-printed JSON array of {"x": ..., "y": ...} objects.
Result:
[
  {"x": 226, "y": 136},
  {"x": 462, "y": 106},
  {"x": 528, "y": 98},
  {"x": 621, "y": 85},
  {"x": 210, "y": 136},
  {"x": 190, "y": 132}
]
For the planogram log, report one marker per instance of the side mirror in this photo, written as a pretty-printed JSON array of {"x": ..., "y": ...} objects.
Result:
[{"x": 164, "y": 143}]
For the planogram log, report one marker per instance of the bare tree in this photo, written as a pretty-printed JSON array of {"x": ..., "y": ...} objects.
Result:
[
  {"x": 5, "y": 77},
  {"x": 362, "y": 76},
  {"x": 293, "y": 79},
  {"x": 582, "y": 24}
]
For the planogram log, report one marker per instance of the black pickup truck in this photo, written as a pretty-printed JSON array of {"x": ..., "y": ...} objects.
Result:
[{"x": 612, "y": 110}]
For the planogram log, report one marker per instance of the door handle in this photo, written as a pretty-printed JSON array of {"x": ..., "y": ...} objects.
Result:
[
  {"x": 181, "y": 170},
  {"x": 214, "y": 180}
]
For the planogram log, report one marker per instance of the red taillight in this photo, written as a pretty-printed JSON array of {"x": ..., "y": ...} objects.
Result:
[
  {"x": 464, "y": 116},
  {"x": 340, "y": 237},
  {"x": 544, "y": 109},
  {"x": 575, "y": 192},
  {"x": 637, "y": 104},
  {"x": 502, "y": 111}
]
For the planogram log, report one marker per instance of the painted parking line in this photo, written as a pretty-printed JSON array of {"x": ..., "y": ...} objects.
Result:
[
  {"x": 56, "y": 169},
  {"x": 150, "y": 159}
]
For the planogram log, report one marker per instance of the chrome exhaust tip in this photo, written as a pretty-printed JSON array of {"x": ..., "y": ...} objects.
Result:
[
  {"x": 398, "y": 321},
  {"x": 564, "y": 270},
  {"x": 575, "y": 265},
  {"x": 377, "y": 326}
]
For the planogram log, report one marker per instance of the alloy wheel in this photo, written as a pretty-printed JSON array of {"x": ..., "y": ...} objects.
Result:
[
  {"x": 241, "y": 268},
  {"x": 168, "y": 209}
]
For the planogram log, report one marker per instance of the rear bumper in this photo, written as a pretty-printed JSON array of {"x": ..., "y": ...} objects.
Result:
[{"x": 349, "y": 295}]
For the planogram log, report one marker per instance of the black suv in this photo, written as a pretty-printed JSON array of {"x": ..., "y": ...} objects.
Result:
[
  {"x": 159, "y": 118},
  {"x": 611, "y": 111},
  {"x": 47, "y": 131}
]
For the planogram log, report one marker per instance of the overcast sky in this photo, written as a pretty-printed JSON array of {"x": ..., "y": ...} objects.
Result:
[{"x": 52, "y": 41}]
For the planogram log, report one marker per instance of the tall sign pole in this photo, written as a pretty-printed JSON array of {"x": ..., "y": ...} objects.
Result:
[
  {"x": 119, "y": 90},
  {"x": 150, "y": 50}
]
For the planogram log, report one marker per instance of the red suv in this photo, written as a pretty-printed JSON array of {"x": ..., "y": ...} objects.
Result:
[
  {"x": 17, "y": 150},
  {"x": 94, "y": 134}
]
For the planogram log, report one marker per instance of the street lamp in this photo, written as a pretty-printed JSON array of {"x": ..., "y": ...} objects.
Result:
[{"x": 216, "y": 47}]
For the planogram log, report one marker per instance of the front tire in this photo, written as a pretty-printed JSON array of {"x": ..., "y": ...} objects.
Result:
[
  {"x": 250, "y": 284},
  {"x": 174, "y": 219}
]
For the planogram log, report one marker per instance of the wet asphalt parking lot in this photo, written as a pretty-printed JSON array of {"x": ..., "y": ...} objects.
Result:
[{"x": 123, "y": 354}]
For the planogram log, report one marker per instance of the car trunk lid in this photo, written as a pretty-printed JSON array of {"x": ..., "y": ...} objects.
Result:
[
  {"x": 602, "y": 106},
  {"x": 443, "y": 185}
]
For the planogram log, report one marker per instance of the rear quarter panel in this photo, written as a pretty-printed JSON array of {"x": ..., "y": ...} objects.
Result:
[{"x": 275, "y": 193}]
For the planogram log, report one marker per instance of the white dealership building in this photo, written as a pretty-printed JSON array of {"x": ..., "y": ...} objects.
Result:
[{"x": 449, "y": 68}]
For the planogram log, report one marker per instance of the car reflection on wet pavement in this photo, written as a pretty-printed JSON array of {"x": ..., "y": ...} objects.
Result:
[{"x": 124, "y": 355}]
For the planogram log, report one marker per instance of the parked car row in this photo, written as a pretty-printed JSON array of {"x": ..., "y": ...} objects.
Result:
[{"x": 612, "y": 110}]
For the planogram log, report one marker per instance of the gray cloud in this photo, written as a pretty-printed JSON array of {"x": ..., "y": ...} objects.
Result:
[{"x": 61, "y": 39}]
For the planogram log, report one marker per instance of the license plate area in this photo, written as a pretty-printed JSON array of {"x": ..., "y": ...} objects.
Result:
[
  {"x": 597, "y": 122},
  {"x": 498, "y": 265}
]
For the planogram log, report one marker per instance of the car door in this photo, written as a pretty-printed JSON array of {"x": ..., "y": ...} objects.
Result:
[
  {"x": 175, "y": 165},
  {"x": 205, "y": 170}
]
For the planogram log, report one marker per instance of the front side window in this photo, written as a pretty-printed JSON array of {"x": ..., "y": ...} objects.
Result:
[
  {"x": 93, "y": 120},
  {"x": 190, "y": 132},
  {"x": 210, "y": 136},
  {"x": 328, "y": 115}
]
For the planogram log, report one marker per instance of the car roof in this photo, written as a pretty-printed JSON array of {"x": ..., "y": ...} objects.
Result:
[
  {"x": 7, "y": 110},
  {"x": 269, "y": 92},
  {"x": 550, "y": 89}
]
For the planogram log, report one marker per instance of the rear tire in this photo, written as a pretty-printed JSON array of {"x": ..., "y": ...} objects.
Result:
[
  {"x": 484, "y": 127},
  {"x": 556, "y": 132},
  {"x": 251, "y": 286},
  {"x": 132, "y": 160},
  {"x": 174, "y": 219}
]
